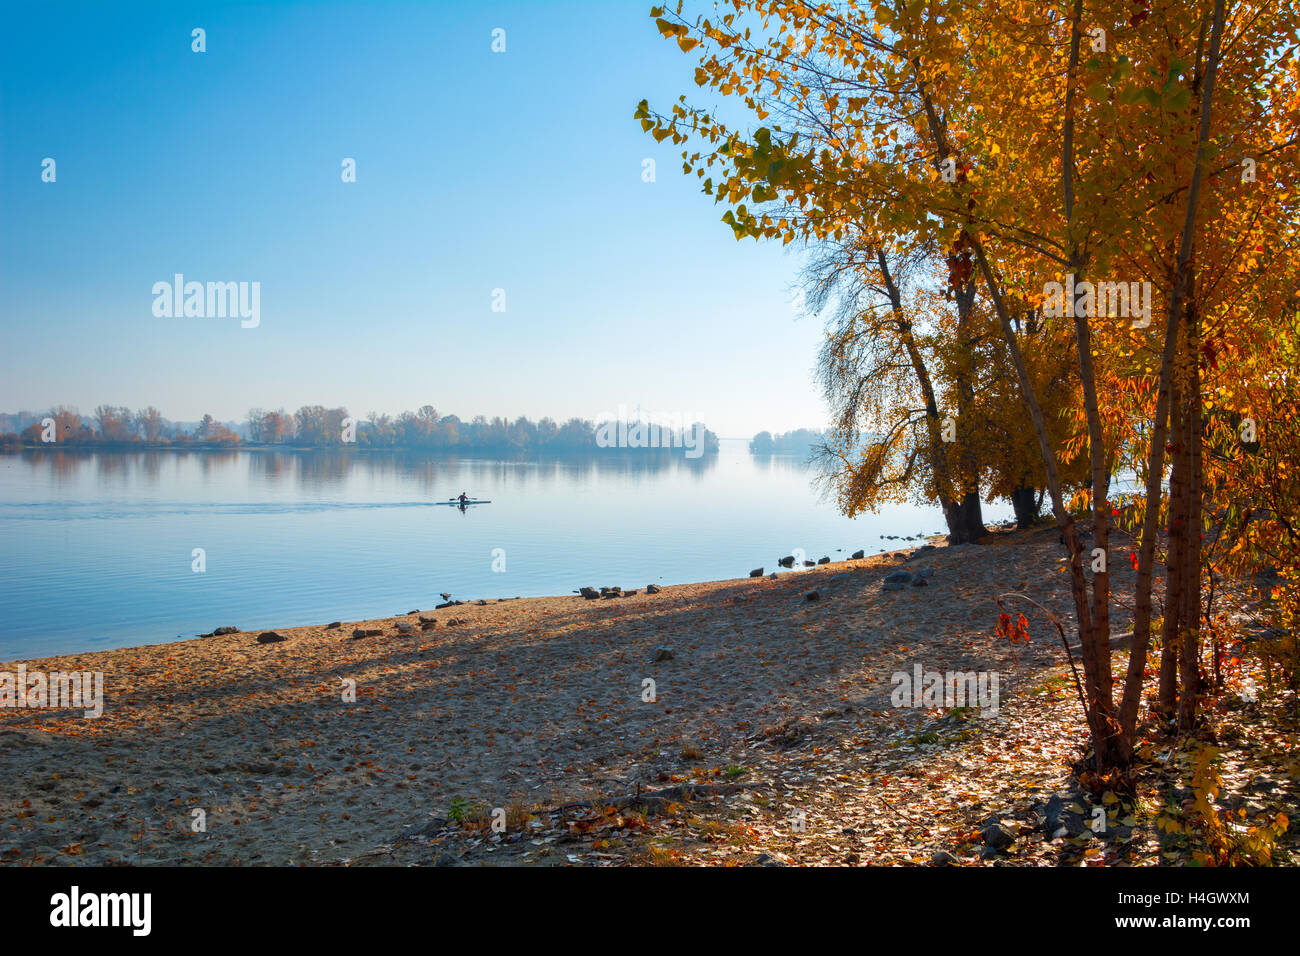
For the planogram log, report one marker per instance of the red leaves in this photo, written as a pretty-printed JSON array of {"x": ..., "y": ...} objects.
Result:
[
  {"x": 961, "y": 263},
  {"x": 1005, "y": 630},
  {"x": 1209, "y": 356},
  {"x": 1022, "y": 630},
  {"x": 1017, "y": 634}
]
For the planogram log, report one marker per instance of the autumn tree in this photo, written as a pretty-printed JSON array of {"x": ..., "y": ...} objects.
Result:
[
  {"x": 917, "y": 384},
  {"x": 151, "y": 424},
  {"x": 1037, "y": 144},
  {"x": 214, "y": 432},
  {"x": 68, "y": 426},
  {"x": 115, "y": 423},
  {"x": 317, "y": 425}
]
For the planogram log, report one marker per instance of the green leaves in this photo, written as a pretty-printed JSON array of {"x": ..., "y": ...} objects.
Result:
[
  {"x": 1180, "y": 101},
  {"x": 1174, "y": 95},
  {"x": 1099, "y": 92}
]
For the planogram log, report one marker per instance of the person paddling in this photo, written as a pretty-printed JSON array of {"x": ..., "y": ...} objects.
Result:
[{"x": 463, "y": 497}]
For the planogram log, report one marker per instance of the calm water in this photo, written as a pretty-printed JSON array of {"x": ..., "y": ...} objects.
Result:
[{"x": 96, "y": 548}]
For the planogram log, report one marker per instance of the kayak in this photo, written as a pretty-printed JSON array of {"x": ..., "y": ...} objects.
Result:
[{"x": 458, "y": 503}]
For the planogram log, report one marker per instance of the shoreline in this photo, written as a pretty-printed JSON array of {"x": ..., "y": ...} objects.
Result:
[
  {"x": 351, "y": 447},
  {"x": 515, "y": 703},
  {"x": 198, "y": 636}
]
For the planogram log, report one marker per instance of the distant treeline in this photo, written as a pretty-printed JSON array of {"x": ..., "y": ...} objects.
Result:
[
  {"x": 801, "y": 441},
  {"x": 109, "y": 425},
  {"x": 314, "y": 426}
]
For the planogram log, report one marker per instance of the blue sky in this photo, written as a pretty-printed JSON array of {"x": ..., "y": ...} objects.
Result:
[{"x": 475, "y": 171}]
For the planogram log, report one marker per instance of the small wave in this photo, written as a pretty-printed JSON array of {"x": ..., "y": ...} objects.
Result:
[{"x": 62, "y": 511}]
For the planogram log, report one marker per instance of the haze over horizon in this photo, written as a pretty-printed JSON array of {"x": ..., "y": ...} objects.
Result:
[{"x": 376, "y": 295}]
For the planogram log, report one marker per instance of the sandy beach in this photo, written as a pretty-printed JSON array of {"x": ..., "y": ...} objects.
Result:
[{"x": 519, "y": 705}]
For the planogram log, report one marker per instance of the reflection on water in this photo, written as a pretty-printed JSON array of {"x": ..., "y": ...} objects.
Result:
[
  {"x": 322, "y": 468},
  {"x": 95, "y": 547}
]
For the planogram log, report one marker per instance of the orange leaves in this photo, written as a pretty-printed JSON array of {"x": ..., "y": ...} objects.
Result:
[
  {"x": 669, "y": 29},
  {"x": 1017, "y": 634}
]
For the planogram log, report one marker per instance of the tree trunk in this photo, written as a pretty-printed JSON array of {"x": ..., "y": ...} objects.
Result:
[
  {"x": 1102, "y": 716},
  {"x": 1190, "y": 646},
  {"x": 1111, "y": 747},
  {"x": 1155, "y": 465},
  {"x": 964, "y": 517},
  {"x": 968, "y": 461},
  {"x": 1167, "y": 701},
  {"x": 971, "y": 517},
  {"x": 1026, "y": 502},
  {"x": 952, "y": 518},
  {"x": 1096, "y": 641}
]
